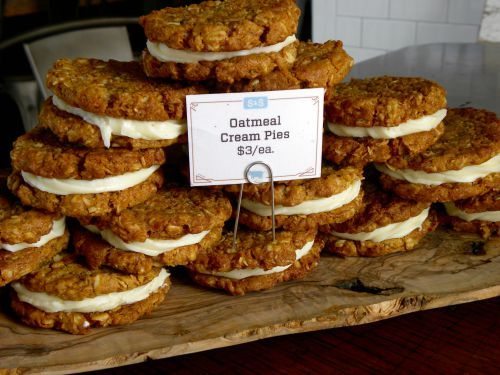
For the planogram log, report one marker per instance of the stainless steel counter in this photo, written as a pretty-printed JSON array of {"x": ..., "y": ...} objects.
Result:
[{"x": 469, "y": 72}]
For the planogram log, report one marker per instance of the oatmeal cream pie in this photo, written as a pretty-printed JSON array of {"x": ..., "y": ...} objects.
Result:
[
  {"x": 316, "y": 65},
  {"x": 220, "y": 40},
  {"x": 385, "y": 225},
  {"x": 67, "y": 296},
  {"x": 28, "y": 239},
  {"x": 77, "y": 181},
  {"x": 111, "y": 103},
  {"x": 170, "y": 229},
  {"x": 464, "y": 162},
  {"x": 257, "y": 262},
  {"x": 374, "y": 119},
  {"x": 302, "y": 204},
  {"x": 479, "y": 214}
]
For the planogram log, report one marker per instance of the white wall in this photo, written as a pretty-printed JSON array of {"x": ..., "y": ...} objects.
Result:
[{"x": 370, "y": 28}]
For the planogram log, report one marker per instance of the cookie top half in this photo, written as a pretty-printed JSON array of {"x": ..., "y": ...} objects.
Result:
[
  {"x": 229, "y": 25},
  {"x": 316, "y": 65},
  {"x": 471, "y": 137},
  {"x": 118, "y": 89},
  {"x": 486, "y": 202},
  {"x": 19, "y": 224},
  {"x": 333, "y": 180},
  {"x": 383, "y": 101},
  {"x": 253, "y": 250},
  {"x": 69, "y": 279},
  {"x": 39, "y": 152},
  {"x": 380, "y": 209},
  {"x": 169, "y": 214}
]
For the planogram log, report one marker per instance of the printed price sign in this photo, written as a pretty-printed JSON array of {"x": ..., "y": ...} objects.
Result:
[{"x": 228, "y": 132}]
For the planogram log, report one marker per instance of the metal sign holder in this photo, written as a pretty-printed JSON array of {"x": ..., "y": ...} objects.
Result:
[{"x": 240, "y": 197}]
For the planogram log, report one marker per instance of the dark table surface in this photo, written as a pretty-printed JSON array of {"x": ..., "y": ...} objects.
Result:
[{"x": 462, "y": 339}]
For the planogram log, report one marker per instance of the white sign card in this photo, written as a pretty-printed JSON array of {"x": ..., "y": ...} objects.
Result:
[{"x": 228, "y": 132}]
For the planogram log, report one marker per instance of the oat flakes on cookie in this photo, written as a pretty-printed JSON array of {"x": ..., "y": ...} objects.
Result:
[
  {"x": 479, "y": 214},
  {"x": 374, "y": 119},
  {"x": 28, "y": 239},
  {"x": 224, "y": 41},
  {"x": 77, "y": 181},
  {"x": 302, "y": 204},
  {"x": 316, "y": 65},
  {"x": 385, "y": 225},
  {"x": 111, "y": 103},
  {"x": 258, "y": 262},
  {"x": 169, "y": 229},
  {"x": 465, "y": 162},
  {"x": 68, "y": 296}
]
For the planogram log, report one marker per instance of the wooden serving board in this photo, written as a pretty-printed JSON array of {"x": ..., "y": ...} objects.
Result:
[{"x": 447, "y": 269}]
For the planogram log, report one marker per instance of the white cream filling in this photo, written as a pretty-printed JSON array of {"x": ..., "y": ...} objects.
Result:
[
  {"x": 57, "y": 230},
  {"x": 164, "y": 53},
  {"x": 244, "y": 273},
  {"x": 453, "y": 210},
  {"x": 50, "y": 303},
  {"x": 100, "y": 185},
  {"x": 150, "y": 247},
  {"x": 422, "y": 124},
  {"x": 148, "y": 130},
  {"x": 464, "y": 175},
  {"x": 395, "y": 230},
  {"x": 307, "y": 207}
]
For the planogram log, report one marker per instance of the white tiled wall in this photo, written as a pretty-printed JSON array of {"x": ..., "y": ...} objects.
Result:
[{"x": 370, "y": 28}]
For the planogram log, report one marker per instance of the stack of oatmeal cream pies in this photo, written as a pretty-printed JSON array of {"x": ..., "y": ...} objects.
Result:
[{"x": 104, "y": 155}]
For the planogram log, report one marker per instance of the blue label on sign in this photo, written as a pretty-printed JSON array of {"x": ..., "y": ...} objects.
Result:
[{"x": 256, "y": 102}]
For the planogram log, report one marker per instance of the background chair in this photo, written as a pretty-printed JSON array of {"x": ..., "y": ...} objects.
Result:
[{"x": 103, "y": 38}]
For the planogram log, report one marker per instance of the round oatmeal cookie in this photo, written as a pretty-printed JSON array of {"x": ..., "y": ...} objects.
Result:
[
  {"x": 383, "y": 101},
  {"x": 27, "y": 239},
  {"x": 227, "y": 70},
  {"x": 169, "y": 214},
  {"x": 479, "y": 214},
  {"x": 293, "y": 200},
  {"x": 77, "y": 205},
  {"x": 333, "y": 180},
  {"x": 231, "y": 25},
  {"x": 118, "y": 89},
  {"x": 316, "y": 65},
  {"x": 257, "y": 263},
  {"x": 361, "y": 151},
  {"x": 343, "y": 247},
  {"x": 302, "y": 222},
  {"x": 97, "y": 253},
  {"x": 69, "y": 128},
  {"x": 39, "y": 152},
  {"x": 169, "y": 229},
  {"x": 74, "y": 290},
  {"x": 383, "y": 219},
  {"x": 471, "y": 137}
]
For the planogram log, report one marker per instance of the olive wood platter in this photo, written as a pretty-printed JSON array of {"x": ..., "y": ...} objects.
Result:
[{"x": 446, "y": 269}]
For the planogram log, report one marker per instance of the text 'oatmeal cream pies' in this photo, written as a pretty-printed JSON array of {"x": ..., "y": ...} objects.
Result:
[
  {"x": 303, "y": 204},
  {"x": 169, "y": 229},
  {"x": 28, "y": 239},
  {"x": 385, "y": 225},
  {"x": 111, "y": 103},
  {"x": 68, "y": 296},
  {"x": 220, "y": 40},
  {"x": 374, "y": 119},
  {"x": 479, "y": 214},
  {"x": 257, "y": 262},
  {"x": 464, "y": 162},
  {"x": 77, "y": 181}
]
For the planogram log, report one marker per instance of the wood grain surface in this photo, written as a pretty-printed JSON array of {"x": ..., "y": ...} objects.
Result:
[{"x": 447, "y": 269}]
